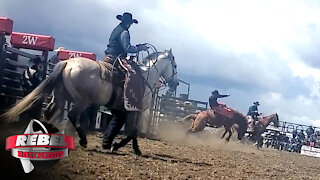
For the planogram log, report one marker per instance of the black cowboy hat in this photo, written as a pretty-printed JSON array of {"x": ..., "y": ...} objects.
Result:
[
  {"x": 127, "y": 18},
  {"x": 256, "y": 103},
  {"x": 215, "y": 92},
  {"x": 36, "y": 60}
]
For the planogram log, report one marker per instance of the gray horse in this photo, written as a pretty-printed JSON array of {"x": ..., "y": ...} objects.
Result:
[{"x": 80, "y": 81}]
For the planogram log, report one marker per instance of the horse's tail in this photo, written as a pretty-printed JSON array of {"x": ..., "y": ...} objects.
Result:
[{"x": 44, "y": 88}]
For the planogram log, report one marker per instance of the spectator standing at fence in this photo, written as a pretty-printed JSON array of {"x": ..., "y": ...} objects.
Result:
[
  {"x": 294, "y": 133},
  {"x": 317, "y": 137},
  {"x": 30, "y": 79},
  {"x": 55, "y": 58},
  {"x": 310, "y": 131},
  {"x": 301, "y": 135},
  {"x": 312, "y": 140},
  {"x": 32, "y": 76}
]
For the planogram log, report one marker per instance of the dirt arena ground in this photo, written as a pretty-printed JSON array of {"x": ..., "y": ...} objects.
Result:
[{"x": 202, "y": 156}]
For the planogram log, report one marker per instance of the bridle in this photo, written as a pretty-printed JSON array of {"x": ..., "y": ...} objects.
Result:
[
  {"x": 163, "y": 80},
  {"x": 173, "y": 67}
]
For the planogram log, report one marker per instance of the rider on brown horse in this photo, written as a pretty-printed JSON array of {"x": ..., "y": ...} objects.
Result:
[
  {"x": 213, "y": 98},
  {"x": 253, "y": 112}
]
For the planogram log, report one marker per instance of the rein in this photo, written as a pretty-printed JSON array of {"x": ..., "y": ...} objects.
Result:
[{"x": 152, "y": 88}]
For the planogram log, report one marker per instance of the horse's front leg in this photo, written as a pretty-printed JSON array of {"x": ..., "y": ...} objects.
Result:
[
  {"x": 260, "y": 142},
  {"x": 230, "y": 134},
  {"x": 224, "y": 134},
  {"x": 191, "y": 129}
]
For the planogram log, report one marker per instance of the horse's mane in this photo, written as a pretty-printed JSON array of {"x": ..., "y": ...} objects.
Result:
[{"x": 152, "y": 56}]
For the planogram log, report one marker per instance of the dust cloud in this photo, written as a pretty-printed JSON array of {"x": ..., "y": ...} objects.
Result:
[{"x": 176, "y": 132}]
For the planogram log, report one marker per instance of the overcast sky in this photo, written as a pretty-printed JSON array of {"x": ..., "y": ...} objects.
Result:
[{"x": 266, "y": 51}]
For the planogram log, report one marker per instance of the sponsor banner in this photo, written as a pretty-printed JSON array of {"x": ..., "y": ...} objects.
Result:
[
  {"x": 310, "y": 151},
  {"x": 40, "y": 155},
  {"x": 39, "y": 145},
  {"x": 32, "y": 41},
  {"x": 40, "y": 140},
  {"x": 68, "y": 54}
]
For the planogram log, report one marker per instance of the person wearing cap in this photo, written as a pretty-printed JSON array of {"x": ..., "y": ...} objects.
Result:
[
  {"x": 213, "y": 98},
  {"x": 55, "y": 58},
  {"x": 310, "y": 131},
  {"x": 119, "y": 41},
  {"x": 29, "y": 80},
  {"x": 32, "y": 76},
  {"x": 253, "y": 112}
]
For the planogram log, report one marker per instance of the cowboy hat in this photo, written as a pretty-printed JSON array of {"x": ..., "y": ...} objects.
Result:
[
  {"x": 127, "y": 18},
  {"x": 36, "y": 59},
  {"x": 256, "y": 103},
  {"x": 59, "y": 49},
  {"x": 215, "y": 92}
]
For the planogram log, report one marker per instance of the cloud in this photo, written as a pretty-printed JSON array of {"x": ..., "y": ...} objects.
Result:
[{"x": 301, "y": 109}]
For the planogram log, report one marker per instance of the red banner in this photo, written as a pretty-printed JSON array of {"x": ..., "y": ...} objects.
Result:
[
  {"x": 67, "y": 54},
  {"x": 32, "y": 41},
  {"x": 40, "y": 140},
  {"x": 6, "y": 25}
]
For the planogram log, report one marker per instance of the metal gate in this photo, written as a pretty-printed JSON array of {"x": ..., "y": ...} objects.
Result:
[
  {"x": 168, "y": 107},
  {"x": 14, "y": 61}
]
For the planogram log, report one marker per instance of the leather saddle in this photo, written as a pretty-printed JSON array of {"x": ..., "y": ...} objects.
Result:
[
  {"x": 127, "y": 76},
  {"x": 222, "y": 109}
]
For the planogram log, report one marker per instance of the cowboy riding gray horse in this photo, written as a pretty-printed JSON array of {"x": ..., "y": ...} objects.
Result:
[
  {"x": 85, "y": 82},
  {"x": 119, "y": 46}
]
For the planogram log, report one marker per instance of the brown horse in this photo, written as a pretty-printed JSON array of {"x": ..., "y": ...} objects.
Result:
[
  {"x": 215, "y": 119},
  {"x": 261, "y": 126}
]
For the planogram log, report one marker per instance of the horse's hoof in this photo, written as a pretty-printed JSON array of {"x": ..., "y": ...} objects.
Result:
[
  {"x": 83, "y": 143},
  {"x": 137, "y": 152}
]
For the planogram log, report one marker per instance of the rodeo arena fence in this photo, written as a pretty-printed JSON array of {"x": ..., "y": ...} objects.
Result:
[
  {"x": 14, "y": 61},
  {"x": 16, "y": 49}
]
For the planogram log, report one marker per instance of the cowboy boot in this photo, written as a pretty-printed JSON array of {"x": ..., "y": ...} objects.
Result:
[
  {"x": 122, "y": 143},
  {"x": 115, "y": 147}
]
